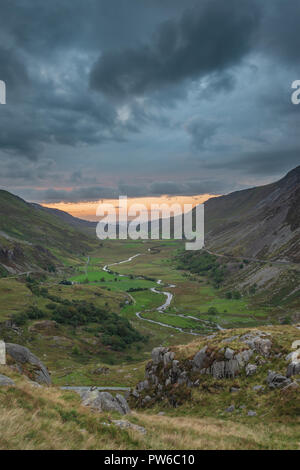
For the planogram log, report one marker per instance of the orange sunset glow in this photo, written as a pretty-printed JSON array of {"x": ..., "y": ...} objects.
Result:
[{"x": 87, "y": 210}]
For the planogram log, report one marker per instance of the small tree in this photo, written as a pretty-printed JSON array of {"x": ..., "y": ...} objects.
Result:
[{"x": 212, "y": 311}]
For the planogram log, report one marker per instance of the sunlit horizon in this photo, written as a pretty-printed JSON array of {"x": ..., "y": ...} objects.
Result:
[{"x": 87, "y": 210}]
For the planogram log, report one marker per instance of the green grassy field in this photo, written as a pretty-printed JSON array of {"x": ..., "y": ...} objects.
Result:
[{"x": 72, "y": 354}]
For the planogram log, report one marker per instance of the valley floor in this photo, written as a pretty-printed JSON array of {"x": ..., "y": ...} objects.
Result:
[{"x": 131, "y": 290}]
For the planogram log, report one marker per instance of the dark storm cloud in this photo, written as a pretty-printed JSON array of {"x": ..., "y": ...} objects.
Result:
[
  {"x": 13, "y": 70},
  {"x": 279, "y": 33},
  {"x": 206, "y": 39},
  {"x": 189, "y": 188},
  {"x": 115, "y": 90},
  {"x": 220, "y": 83},
  {"x": 76, "y": 195},
  {"x": 131, "y": 190},
  {"x": 167, "y": 187},
  {"x": 201, "y": 131}
]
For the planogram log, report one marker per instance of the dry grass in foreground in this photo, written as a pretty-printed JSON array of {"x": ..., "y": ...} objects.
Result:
[{"x": 47, "y": 418}]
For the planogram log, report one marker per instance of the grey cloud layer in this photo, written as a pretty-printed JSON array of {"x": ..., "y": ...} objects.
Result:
[
  {"x": 210, "y": 37},
  {"x": 184, "y": 96}
]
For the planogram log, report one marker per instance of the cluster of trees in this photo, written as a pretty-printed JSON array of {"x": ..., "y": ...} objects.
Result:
[
  {"x": 115, "y": 331},
  {"x": 35, "y": 288},
  {"x": 202, "y": 263},
  {"x": 136, "y": 289},
  {"x": 32, "y": 313},
  {"x": 233, "y": 295}
]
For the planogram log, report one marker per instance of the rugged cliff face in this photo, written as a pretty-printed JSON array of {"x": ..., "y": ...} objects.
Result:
[{"x": 257, "y": 360}]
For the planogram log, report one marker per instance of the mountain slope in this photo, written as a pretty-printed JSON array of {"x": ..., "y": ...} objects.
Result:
[
  {"x": 83, "y": 225},
  {"x": 262, "y": 222},
  {"x": 253, "y": 238},
  {"x": 33, "y": 237}
]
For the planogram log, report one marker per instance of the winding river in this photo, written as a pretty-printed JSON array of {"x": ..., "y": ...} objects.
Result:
[{"x": 161, "y": 308}]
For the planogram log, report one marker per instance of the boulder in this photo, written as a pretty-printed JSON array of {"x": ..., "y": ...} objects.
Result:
[
  {"x": 200, "y": 360},
  {"x": 175, "y": 367},
  {"x": 251, "y": 413},
  {"x": 293, "y": 369},
  {"x": 127, "y": 425},
  {"x": 123, "y": 403},
  {"x": 168, "y": 357},
  {"x": 258, "y": 388},
  {"x": 275, "y": 380},
  {"x": 183, "y": 378},
  {"x": 27, "y": 363},
  {"x": 135, "y": 394},
  {"x": 263, "y": 346},
  {"x": 104, "y": 401},
  {"x": 230, "y": 409},
  {"x": 224, "y": 369},
  {"x": 158, "y": 354},
  {"x": 6, "y": 381},
  {"x": 146, "y": 399},
  {"x": 251, "y": 369},
  {"x": 243, "y": 357},
  {"x": 229, "y": 353},
  {"x": 258, "y": 341},
  {"x": 142, "y": 386}
]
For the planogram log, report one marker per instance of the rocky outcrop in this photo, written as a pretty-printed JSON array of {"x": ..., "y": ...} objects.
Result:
[
  {"x": 104, "y": 401},
  {"x": 220, "y": 364},
  {"x": 27, "y": 363},
  {"x": 276, "y": 380},
  {"x": 6, "y": 381},
  {"x": 258, "y": 341},
  {"x": 169, "y": 378}
]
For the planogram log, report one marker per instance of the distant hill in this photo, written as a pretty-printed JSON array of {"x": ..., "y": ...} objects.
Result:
[
  {"x": 34, "y": 237},
  {"x": 80, "y": 224}
]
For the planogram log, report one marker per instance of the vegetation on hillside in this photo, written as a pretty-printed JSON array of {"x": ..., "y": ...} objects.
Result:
[
  {"x": 202, "y": 263},
  {"x": 30, "y": 236},
  {"x": 113, "y": 330}
]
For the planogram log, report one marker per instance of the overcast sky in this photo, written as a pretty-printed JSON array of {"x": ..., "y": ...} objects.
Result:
[{"x": 147, "y": 97}]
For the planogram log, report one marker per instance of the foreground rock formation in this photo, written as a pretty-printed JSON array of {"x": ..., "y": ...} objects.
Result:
[
  {"x": 20, "y": 358},
  {"x": 104, "y": 401},
  {"x": 171, "y": 377}
]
